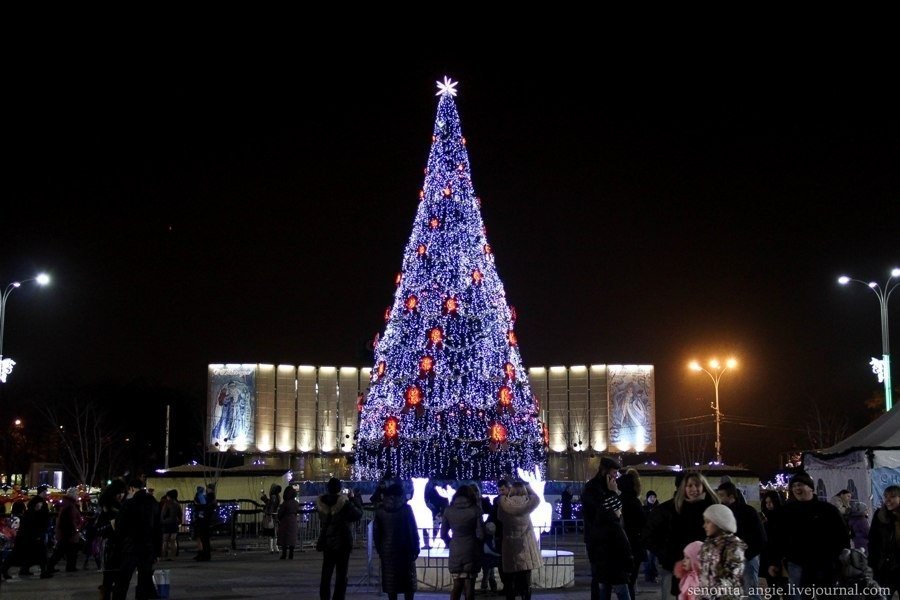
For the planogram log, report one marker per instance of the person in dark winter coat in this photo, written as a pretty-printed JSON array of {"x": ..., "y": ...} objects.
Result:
[
  {"x": 749, "y": 529},
  {"x": 608, "y": 549},
  {"x": 463, "y": 517},
  {"x": 678, "y": 522},
  {"x": 270, "y": 515},
  {"x": 809, "y": 535},
  {"x": 771, "y": 502},
  {"x": 397, "y": 541},
  {"x": 141, "y": 537},
  {"x": 336, "y": 512},
  {"x": 288, "y": 525},
  {"x": 884, "y": 541},
  {"x": 170, "y": 518},
  {"x": 650, "y": 571},
  {"x": 31, "y": 545},
  {"x": 110, "y": 505},
  {"x": 634, "y": 521}
]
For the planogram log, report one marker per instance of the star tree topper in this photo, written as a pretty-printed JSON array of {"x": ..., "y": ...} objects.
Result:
[{"x": 448, "y": 86}]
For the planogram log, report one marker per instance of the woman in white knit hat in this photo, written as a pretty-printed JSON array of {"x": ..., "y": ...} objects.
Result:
[{"x": 722, "y": 555}]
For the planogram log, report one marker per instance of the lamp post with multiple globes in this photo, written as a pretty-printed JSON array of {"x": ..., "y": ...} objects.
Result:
[
  {"x": 7, "y": 364},
  {"x": 882, "y": 367},
  {"x": 715, "y": 372}
]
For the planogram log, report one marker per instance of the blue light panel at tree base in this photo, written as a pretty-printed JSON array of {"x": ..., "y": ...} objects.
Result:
[{"x": 449, "y": 396}]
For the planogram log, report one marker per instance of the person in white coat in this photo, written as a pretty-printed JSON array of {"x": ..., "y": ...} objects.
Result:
[{"x": 520, "y": 553}]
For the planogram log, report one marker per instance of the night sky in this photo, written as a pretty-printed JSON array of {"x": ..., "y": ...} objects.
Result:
[{"x": 194, "y": 210}]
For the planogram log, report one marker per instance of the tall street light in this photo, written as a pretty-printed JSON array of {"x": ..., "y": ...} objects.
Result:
[
  {"x": 882, "y": 367},
  {"x": 7, "y": 364},
  {"x": 715, "y": 372}
]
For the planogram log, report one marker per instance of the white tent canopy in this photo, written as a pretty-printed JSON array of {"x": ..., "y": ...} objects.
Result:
[
  {"x": 865, "y": 463},
  {"x": 883, "y": 432}
]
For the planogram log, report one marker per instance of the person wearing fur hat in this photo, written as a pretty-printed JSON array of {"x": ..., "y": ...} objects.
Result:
[
  {"x": 336, "y": 512},
  {"x": 808, "y": 535}
]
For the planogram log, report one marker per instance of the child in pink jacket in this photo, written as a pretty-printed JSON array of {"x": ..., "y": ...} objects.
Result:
[{"x": 688, "y": 570}]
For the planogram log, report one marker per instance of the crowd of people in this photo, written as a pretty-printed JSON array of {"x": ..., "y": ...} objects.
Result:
[{"x": 702, "y": 543}]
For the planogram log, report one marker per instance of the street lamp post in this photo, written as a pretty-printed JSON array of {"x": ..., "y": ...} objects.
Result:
[
  {"x": 717, "y": 370},
  {"x": 7, "y": 364},
  {"x": 882, "y": 367}
]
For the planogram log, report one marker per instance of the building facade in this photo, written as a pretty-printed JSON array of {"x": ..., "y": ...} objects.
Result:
[{"x": 304, "y": 418}]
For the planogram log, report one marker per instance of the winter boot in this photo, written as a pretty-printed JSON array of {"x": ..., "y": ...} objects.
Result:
[
  {"x": 291, "y": 552},
  {"x": 283, "y": 553}
]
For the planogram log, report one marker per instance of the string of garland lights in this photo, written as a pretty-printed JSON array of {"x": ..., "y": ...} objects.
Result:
[{"x": 449, "y": 396}]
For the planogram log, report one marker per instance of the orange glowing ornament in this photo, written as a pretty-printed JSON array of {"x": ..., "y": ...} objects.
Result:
[
  {"x": 413, "y": 397},
  {"x": 477, "y": 276},
  {"x": 504, "y": 400},
  {"x": 421, "y": 194},
  {"x": 509, "y": 371},
  {"x": 398, "y": 278},
  {"x": 426, "y": 367},
  {"x": 360, "y": 402},
  {"x": 447, "y": 191},
  {"x": 411, "y": 302},
  {"x": 391, "y": 431},
  {"x": 462, "y": 140},
  {"x": 387, "y": 314},
  {"x": 498, "y": 436},
  {"x": 434, "y": 223},
  {"x": 435, "y": 337},
  {"x": 546, "y": 434},
  {"x": 488, "y": 250},
  {"x": 451, "y": 305},
  {"x": 512, "y": 314},
  {"x": 511, "y": 336},
  {"x": 382, "y": 367},
  {"x": 421, "y": 249}
]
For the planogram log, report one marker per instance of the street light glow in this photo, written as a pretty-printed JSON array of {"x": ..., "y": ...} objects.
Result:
[
  {"x": 881, "y": 367},
  {"x": 7, "y": 364},
  {"x": 716, "y": 376}
]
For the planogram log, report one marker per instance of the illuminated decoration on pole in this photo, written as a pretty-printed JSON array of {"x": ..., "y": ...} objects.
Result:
[
  {"x": 882, "y": 367},
  {"x": 6, "y": 367},
  {"x": 7, "y": 364},
  {"x": 457, "y": 379}
]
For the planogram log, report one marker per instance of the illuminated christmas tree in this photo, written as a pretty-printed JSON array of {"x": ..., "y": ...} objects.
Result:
[{"x": 449, "y": 396}]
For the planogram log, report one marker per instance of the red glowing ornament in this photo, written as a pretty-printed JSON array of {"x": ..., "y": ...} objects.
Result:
[
  {"x": 504, "y": 401},
  {"x": 511, "y": 336},
  {"x": 413, "y": 397},
  {"x": 434, "y": 223},
  {"x": 512, "y": 314},
  {"x": 387, "y": 314},
  {"x": 451, "y": 305},
  {"x": 392, "y": 432},
  {"x": 546, "y": 434},
  {"x": 477, "y": 276},
  {"x": 421, "y": 249},
  {"x": 382, "y": 367},
  {"x": 421, "y": 194},
  {"x": 360, "y": 402},
  {"x": 509, "y": 372},
  {"x": 497, "y": 436},
  {"x": 488, "y": 250},
  {"x": 436, "y": 338},
  {"x": 398, "y": 278},
  {"x": 411, "y": 303},
  {"x": 462, "y": 140},
  {"x": 478, "y": 201}
]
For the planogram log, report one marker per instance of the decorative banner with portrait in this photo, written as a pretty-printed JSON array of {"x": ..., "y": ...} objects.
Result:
[
  {"x": 631, "y": 398},
  {"x": 232, "y": 406}
]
